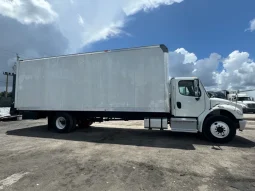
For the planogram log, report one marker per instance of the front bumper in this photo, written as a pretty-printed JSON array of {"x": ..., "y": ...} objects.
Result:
[
  {"x": 248, "y": 110},
  {"x": 242, "y": 124}
]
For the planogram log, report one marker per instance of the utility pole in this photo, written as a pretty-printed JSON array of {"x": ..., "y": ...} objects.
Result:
[
  {"x": 14, "y": 78},
  {"x": 10, "y": 74},
  {"x": 6, "y": 91},
  {"x": 7, "y": 80}
]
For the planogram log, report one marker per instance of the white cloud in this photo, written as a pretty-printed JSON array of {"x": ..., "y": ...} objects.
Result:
[
  {"x": 29, "y": 41},
  {"x": 178, "y": 66},
  {"x": 28, "y": 11},
  {"x": 206, "y": 68},
  {"x": 98, "y": 20},
  {"x": 238, "y": 69},
  {"x": 133, "y": 6},
  {"x": 252, "y": 25},
  {"x": 239, "y": 72},
  {"x": 104, "y": 33},
  {"x": 183, "y": 63},
  {"x": 189, "y": 57},
  {"x": 80, "y": 20}
]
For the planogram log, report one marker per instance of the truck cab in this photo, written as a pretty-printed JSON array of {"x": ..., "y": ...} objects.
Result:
[
  {"x": 193, "y": 111},
  {"x": 248, "y": 104}
]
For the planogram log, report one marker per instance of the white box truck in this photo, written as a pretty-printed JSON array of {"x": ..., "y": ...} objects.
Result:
[{"x": 125, "y": 84}]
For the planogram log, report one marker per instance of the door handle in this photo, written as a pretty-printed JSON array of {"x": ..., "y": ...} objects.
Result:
[
  {"x": 179, "y": 105},
  {"x": 197, "y": 98}
]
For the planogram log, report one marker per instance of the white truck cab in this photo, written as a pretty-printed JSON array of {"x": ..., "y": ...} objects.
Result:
[
  {"x": 248, "y": 104},
  {"x": 193, "y": 111}
]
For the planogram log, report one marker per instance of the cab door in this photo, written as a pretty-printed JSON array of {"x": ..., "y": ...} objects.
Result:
[{"x": 189, "y": 99}]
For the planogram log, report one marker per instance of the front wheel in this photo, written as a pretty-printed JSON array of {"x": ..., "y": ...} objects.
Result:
[{"x": 219, "y": 129}]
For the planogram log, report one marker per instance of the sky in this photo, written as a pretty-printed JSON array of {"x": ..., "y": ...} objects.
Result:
[{"x": 211, "y": 39}]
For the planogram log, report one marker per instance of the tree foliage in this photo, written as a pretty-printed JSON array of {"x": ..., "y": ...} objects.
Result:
[{"x": 2, "y": 94}]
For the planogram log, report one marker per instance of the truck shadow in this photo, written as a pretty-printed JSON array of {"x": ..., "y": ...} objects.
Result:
[{"x": 135, "y": 137}]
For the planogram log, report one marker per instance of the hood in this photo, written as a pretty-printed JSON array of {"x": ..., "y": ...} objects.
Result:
[
  {"x": 246, "y": 102},
  {"x": 217, "y": 101}
]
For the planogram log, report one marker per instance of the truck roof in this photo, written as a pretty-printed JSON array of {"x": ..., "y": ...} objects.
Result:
[
  {"x": 186, "y": 78},
  {"x": 162, "y": 46}
]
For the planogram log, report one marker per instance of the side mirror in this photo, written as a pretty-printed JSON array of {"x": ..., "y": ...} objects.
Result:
[
  {"x": 196, "y": 88},
  {"x": 196, "y": 83}
]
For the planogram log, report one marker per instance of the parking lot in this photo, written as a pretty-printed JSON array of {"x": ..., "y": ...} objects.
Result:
[{"x": 122, "y": 156}]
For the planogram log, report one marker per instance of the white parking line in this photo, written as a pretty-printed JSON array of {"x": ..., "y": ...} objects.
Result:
[{"x": 11, "y": 179}]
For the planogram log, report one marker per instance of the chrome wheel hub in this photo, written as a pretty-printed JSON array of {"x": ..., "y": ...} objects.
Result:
[
  {"x": 219, "y": 129},
  {"x": 61, "y": 123}
]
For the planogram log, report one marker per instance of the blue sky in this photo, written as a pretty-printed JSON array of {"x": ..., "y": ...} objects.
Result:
[{"x": 201, "y": 26}]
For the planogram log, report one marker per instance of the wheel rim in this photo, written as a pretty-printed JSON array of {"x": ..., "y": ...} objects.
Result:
[
  {"x": 219, "y": 129},
  {"x": 61, "y": 122}
]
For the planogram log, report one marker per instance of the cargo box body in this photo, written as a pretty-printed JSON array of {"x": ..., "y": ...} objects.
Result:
[{"x": 126, "y": 80}]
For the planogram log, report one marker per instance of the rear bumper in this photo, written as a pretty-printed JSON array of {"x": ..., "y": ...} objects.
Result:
[
  {"x": 248, "y": 110},
  {"x": 242, "y": 124}
]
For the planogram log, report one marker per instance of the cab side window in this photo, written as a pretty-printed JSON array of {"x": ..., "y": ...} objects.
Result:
[{"x": 186, "y": 88}]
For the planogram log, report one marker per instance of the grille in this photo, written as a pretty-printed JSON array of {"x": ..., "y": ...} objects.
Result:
[{"x": 252, "y": 105}]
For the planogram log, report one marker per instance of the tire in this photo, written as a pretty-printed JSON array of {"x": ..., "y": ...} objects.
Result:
[
  {"x": 219, "y": 129},
  {"x": 84, "y": 123},
  {"x": 63, "y": 122}
]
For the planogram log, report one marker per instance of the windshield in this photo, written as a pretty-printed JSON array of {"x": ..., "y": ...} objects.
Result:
[
  {"x": 243, "y": 99},
  {"x": 217, "y": 95}
]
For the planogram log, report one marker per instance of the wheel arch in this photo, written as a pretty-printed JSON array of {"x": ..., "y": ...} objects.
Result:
[{"x": 216, "y": 112}]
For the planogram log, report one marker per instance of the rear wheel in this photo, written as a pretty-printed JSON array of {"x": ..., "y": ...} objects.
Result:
[
  {"x": 62, "y": 122},
  {"x": 219, "y": 129}
]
